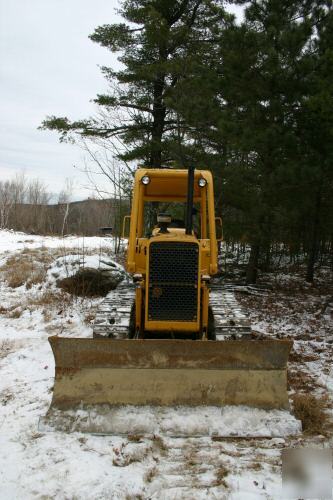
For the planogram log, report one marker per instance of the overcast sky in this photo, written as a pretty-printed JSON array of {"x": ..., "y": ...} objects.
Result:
[{"x": 48, "y": 66}]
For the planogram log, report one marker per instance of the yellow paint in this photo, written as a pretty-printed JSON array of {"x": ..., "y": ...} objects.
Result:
[{"x": 169, "y": 185}]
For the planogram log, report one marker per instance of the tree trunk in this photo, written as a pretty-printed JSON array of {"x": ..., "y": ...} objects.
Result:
[
  {"x": 267, "y": 262},
  {"x": 65, "y": 219},
  {"x": 312, "y": 257},
  {"x": 159, "y": 111},
  {"x": 252, "y": 266}
]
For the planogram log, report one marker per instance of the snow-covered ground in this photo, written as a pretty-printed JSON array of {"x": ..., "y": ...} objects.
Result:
[
  {"x": 13, "y": 240},
  {"x": 41, "y": 465}
]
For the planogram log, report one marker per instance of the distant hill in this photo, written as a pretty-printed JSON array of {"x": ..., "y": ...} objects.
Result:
[{"x": 78, "y": 217}]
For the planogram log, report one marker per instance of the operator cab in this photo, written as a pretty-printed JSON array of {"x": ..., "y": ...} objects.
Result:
[
  {"x": 169, "y": 204},
  {"x": 166, "y": 224},
  {"x": 163, "y": 218}
]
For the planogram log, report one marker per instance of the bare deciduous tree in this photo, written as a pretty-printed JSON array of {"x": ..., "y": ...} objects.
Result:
[
  {"x": 109, "y": 178},
  {"x": 6, "y": 202},
  {"x": 64, "y": 199}
]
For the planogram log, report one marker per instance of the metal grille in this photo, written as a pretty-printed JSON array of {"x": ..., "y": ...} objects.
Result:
[{"x": 173, "y": 281}]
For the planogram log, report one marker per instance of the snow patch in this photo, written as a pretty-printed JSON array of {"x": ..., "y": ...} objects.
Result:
[
  {"x": 68, "y": 265},
  {"x": 182, "y": 421}
]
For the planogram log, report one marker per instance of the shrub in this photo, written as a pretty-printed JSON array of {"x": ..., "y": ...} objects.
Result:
[{"x": 89, "y": 282}]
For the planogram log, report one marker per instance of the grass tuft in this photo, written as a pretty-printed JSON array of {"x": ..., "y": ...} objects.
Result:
[
  {"x": 220, "y": 475},
  {"x": 50, "y": 298},
  {"x": 6, "y": 347},
  {"x": 159, "y": 444},
  {"x": 15, "y": 313},
  {"x": 150, "y": 474},
  {"x": 134, "y": 438},
  {"x": 27, "y": 267},
  {"x": 311, "y": 411}
]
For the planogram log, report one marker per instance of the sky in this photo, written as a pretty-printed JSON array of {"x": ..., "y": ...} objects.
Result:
[{"x": 48, "y": 66}]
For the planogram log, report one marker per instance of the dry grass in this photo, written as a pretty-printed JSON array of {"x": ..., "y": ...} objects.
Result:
[
  {"x": 20, "y": 272},
  {"x": 6, "y": 347},
  {"x": 159, "y": 444},
  {"x": 36, "y": 435},
  {"x": 6, "y": 397},
  {"x": 220, "y": 475},
  {"x": 299, "y": 380},
  {"x": 302, "y": 357},
  {"x": 191, "y": 458},
  {"x": 27, "y": 267},
  {"x": 124, "y": 458},
  {"x": 50, "y": 302},
  {"x": 89, "y": 318},
  {"x": 15, "y": 313},
  {"x": 134, "y": 438},
  {"x": 47, "y": 316},
  {"x": 256, "y": 466},
  {"x": 190, "y": 454},
  {"x": 150, "y": 474},
  {"x": 50, "y": 298},
  {"x": 311, "y": 411}
]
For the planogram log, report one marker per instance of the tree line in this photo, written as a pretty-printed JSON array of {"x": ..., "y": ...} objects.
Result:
[
  {"x": 251, "y": 99},
  {"x": 27, "y": 206}
]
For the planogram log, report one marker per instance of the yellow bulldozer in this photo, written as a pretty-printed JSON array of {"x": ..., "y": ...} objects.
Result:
[{"x": 171, "y": 355}]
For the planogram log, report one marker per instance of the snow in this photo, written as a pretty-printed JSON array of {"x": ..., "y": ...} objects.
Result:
[
  {"x": 14, "y": 240},
  {"x": 68, "y": 265},
  {"x": 229, "y": 421},
  {"x": 37, "y": 464}
]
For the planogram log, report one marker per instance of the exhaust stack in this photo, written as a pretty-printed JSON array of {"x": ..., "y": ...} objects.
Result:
[{"x": 189, "y": 206}]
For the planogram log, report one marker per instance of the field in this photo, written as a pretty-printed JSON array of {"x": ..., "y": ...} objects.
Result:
[{"x": 44, "y": 465}]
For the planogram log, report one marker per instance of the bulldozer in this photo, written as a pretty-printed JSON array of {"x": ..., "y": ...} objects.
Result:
[{"x": 170, "y": 353}]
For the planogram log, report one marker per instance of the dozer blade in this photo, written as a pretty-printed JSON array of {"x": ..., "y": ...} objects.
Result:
[{"x": 170, "y": 372}]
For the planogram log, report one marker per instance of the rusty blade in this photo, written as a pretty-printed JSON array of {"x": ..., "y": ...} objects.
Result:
[
  {"x": 170, "y": 372},
  {"x": 231, "y": 354}
]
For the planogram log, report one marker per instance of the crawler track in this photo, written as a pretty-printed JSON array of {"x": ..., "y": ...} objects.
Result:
[{"x": 113, "y": 316}]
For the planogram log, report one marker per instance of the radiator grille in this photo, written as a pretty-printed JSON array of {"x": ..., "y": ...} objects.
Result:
[{"x": 173, "y": 281}]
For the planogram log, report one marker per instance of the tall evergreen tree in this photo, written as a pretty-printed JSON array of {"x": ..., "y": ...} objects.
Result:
[
  {"x": 155, "y": 44},
  {"x": 255, "y": 88},
  {"x": 315, "y": 128},
  {"x": 253, "y": 102}
]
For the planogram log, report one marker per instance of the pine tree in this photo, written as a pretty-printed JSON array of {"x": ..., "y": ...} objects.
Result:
[
  {"x": 155, "y": 44},
  {"x": 315, "y": 125},
  {"x": 253, "y": 102},
  {"x": 256, "y": 88}
]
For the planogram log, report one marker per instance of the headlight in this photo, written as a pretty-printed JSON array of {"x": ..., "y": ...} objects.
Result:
[
  {"x": 145, "y": 180},
  {"x": 202, "y": 182}
]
